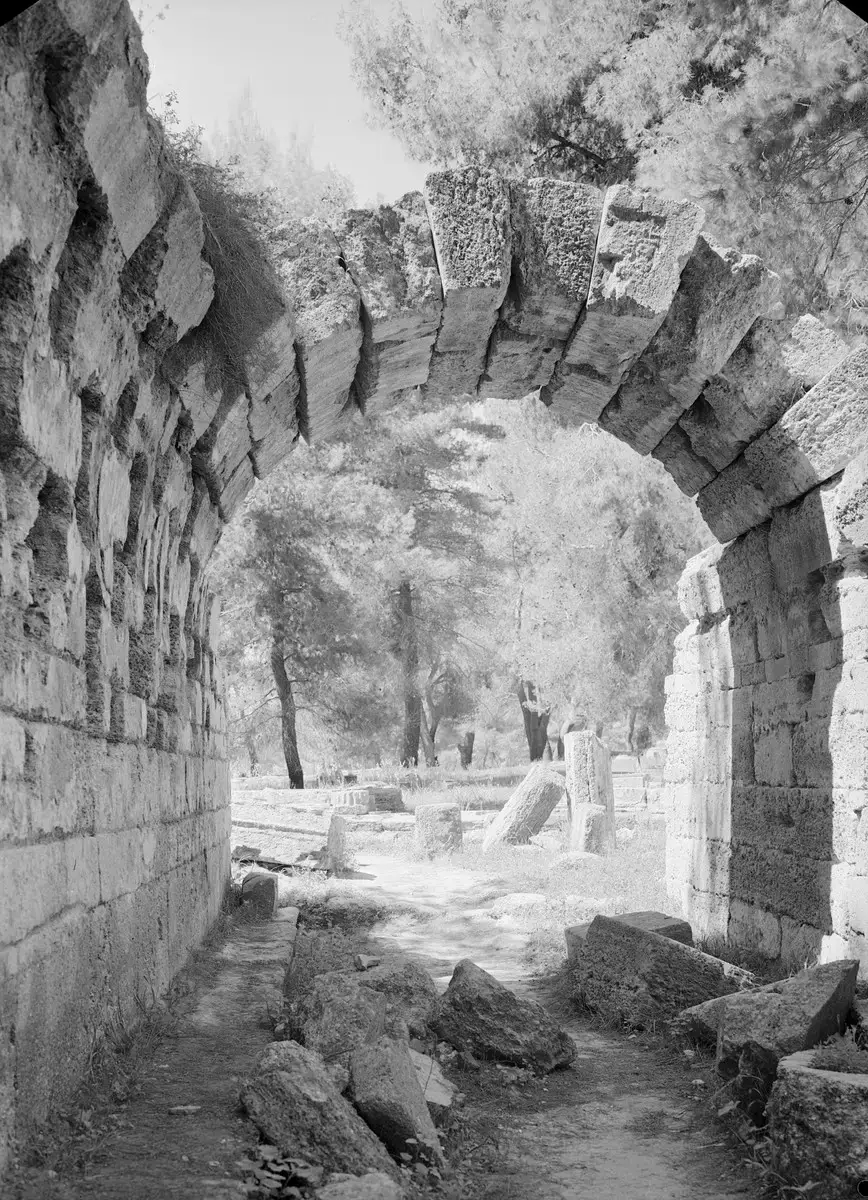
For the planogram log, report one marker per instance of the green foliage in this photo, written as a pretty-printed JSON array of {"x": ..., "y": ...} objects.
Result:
[{"x": 841, "y": 1054}]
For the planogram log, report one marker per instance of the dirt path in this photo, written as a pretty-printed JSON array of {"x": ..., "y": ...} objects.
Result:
[{"x": 626, "y": 1122}]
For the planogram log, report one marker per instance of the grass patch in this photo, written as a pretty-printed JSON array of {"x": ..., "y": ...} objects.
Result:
[{"x": 841, "y": 1053}]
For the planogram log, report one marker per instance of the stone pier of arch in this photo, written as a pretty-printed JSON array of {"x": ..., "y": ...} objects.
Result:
[{"x": 137, "y": 409}]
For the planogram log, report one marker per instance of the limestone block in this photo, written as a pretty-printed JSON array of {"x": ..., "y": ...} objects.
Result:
[
  {"x": 554, "y": 230},
  {"x": 643, "y": 245},
  {"x": 236, "y": 488},
  {"x": 478, "y": 1014},
  {"x": 772, "y": 367},
  {"x": 812, "y": 441},
  {"x": 438, "y": 1091},
  {"x": 588, "y": 769},
  {"x": 326, "y": 305},
  {"x": 338, "y": 1013},
  {"x": 469, "y": 210},
  {"x": 592, "y": 828},
  {"x": 371, "y": 1186},
  {"x": 226, "y": 442},
  {"x": 818, "y": 1127},
  {"x": 336, "y": 843},
  {"x": 685, "y": 466},
  {"x": 851, "y": 502},
  {"x": 196, "y": 371},
  {"x": 720, "y": 294},
  {"x": 642, "y": 977},
  {"x": 438, "y": 828},
  {"x": 390, "y": 255},
  {"x": 293, "y": 1101},
  {"x": 409, "y": 990},
  {"x": 671, "y": 927},
  {"x": 273, "y": 425},
  {"x": 259, "y": 889},
  {"x": 527, "y": 809},
  {"x": 385, "y": 1089}
]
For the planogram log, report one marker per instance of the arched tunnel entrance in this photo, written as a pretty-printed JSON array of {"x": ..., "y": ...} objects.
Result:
[{"x": 137, "y": 406}]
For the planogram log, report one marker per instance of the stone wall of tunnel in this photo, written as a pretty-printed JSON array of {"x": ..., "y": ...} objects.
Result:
[{"x": 139, "y": 401}]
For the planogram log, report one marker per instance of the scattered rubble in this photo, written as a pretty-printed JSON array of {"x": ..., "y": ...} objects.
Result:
[{"x": 480, "y": 1015}]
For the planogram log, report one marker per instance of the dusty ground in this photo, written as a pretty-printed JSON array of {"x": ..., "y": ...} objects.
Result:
[{"x": 633, "y": 1119}]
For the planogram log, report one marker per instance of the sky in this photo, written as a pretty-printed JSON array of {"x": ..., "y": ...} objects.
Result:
[{"x": 298, "y": 70}]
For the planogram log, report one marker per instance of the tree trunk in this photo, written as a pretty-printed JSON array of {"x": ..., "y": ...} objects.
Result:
[
  {"x": 287, "y": 716},
  {"x": 631, "y": 729},
  {"x": 426, "y": 736},
  {"x": 250, "y": 746},
  {"x": 465, "y": 748},
  {"x": 408, "y": 649},
  {"x": 560, "y": 748},
  {"x": 535, "y": 723}
]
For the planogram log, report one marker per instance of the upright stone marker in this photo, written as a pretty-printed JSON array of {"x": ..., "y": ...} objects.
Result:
[
  {"x": 591, "y": 796},
  {"x": 438, "y": 829}
]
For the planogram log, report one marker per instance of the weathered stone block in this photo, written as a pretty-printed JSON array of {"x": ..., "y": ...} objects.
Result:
[
  {"x": 469, "y": 210},
  {"x": 554, "y": 229},
  {"x": 655, "y": 922},
  {"x": 641, "y": 251},
  {"x": 385, "y": 1089},
  {"x": 338, "y": 1014},
  {"x": 259, "y": 888},
  {"x": 438, "y": 829}
]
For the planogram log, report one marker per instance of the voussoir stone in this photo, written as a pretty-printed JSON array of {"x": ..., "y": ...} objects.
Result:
[
  {"x": 469, "y": 210},
  {"x": 389, "y": 253},
  {"x": 527, "y": 809},
  {"x": 641, "y": 978},
  {"x": 339, "y": 1013},
  {"x": 292, "y": 1100},
  {"x": 642, "y": 248},
  {"x": 554, "y": 229},
  {"x": 477, "y": 1014},
  {"x": 385, "y": 1089}
]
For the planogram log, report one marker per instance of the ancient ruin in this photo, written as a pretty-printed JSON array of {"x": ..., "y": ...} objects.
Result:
[{"x": 136, "y": 412}]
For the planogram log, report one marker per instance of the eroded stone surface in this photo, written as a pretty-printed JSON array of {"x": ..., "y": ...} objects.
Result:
[
  {"x": 438, "y": 828},
  {"x": 386, "y": 1091},
  {"x": 527, "y": 809}
]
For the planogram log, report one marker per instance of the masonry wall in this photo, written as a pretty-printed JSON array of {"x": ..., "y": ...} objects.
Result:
[{"x": 767, "y": 767}]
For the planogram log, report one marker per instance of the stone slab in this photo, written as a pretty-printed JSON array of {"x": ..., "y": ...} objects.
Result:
[{"x": 653, "y": 922}]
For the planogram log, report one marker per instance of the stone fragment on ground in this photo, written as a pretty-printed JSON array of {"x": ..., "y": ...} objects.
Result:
[
  {"x": 295, "y": 1105},
  {"x": 818, "y": 1128},
  {"x": 364, "y": 962},
  {"x": 478, "y": 1014},
  {"x": 336, "y": 844},
  {"x": 519, "y": 906},
  {"x": 654, "y": 922},
  {"x": 385, "y": 1089},
  {"x": 753, "y": 1030},
  {"x": 438, "y": 1091},
  {"x": 373, "y": 1186},
  {"x": 338, "y": 1013},
  {"x": 438, "y": 829},
  {"x": 259, "y": 889},
  {"x": 642, "y": 978},
  {"x": 409, "y": 991},
  {"x": 527, "y": 809}
]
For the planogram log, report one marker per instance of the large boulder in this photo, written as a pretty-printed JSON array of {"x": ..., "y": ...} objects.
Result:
[
  {"x": 653, "y": 922},
  {"x": 818, "y": 1128},
  {"x": 337, "y": 1014},
  {"x": 438, "y": 829},
  {"x": 642, "y": 978},
  {"x": 527, "y": 809},
  {"x": 409, "y": 990},
  {"x": 295, "y": 1105},
  {"x": 478, "y": 1014},
  {"x": 385, "y": 1089},
  {"x": 752, "y": 1031}
]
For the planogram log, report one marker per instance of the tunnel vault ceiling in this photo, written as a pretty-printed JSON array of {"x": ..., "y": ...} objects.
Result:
[{"x": 136, "y": 410}]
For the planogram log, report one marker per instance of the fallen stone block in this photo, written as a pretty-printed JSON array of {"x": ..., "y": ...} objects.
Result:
[
  {"x": 651, "y": 922},
  {"x": 259, "y": 888},
  {"x": 753, "y": 1030},
  {"x": 818, "y": 1128},
  {"x": 527, "y": 809},
  {"x": 438, "y": 829},
  {"x": 409, "y": 991},
  {"x": 338, "y": 1014},
  {"x": 642, "y": 248},
  {"x": 295, "y": 1105},
  {"x": 469, "y": 210},
  {"x": 373, "y": 1186},
  {"x": 385, "y": 1089},
  {"x": 592, "y": 828},
  {"x": 641, "y": 978},
  {"x": 438, "y": 1091},
  {"x": 477, "y": 1014}
]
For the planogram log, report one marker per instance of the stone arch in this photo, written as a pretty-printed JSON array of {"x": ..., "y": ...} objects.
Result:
[{"x": 132, "y": 426}]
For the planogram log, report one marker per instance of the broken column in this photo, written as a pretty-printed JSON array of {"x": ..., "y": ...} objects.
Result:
[
  {"x": 590, "y": 792},
  {"x": 438, "y": 829},
  {"x": 527, "y": 809}
]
